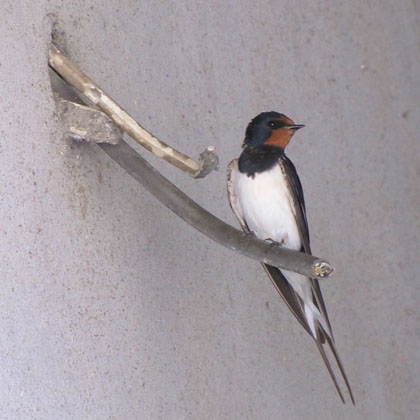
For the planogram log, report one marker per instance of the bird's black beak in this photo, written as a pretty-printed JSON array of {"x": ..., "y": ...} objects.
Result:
[{"x": 295, "y": 127}]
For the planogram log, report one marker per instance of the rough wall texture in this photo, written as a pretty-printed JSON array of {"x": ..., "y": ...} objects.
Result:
[{"x": 113, "y": 308}]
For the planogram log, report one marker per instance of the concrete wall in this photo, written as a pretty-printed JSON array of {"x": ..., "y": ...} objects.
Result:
[{"x": 113, "y": 308}]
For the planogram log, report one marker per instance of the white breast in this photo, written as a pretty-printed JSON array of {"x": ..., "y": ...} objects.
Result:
[{"x": 267, "y": 208}]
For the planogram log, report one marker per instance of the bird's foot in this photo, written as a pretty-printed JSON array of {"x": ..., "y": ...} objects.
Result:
[
  {"x": 277, "y": 243},
  {"x": 274, "y": 243}
]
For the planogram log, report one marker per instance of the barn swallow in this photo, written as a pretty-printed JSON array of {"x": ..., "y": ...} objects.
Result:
[{"x": 266, "y": 196}]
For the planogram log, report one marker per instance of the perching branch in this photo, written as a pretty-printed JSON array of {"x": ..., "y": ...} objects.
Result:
[
  {"x": 91, "y": 91},
  {"x": 195, "y": 215},
  {"x": 161, "y": 188}
]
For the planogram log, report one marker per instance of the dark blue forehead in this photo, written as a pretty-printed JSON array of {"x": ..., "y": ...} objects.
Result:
[{"x": 266, "y": 116}]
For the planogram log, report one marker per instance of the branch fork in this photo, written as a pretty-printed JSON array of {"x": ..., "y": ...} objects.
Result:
[{"x": 109, "y": 138}]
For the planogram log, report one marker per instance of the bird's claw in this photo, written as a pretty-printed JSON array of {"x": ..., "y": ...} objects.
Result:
[{"x": 273, "y": 244}]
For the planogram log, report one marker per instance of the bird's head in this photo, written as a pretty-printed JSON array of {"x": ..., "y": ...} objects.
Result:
[{"x": 271, "y": 129}]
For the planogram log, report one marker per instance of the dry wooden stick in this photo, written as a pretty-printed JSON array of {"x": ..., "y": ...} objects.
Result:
[{"x": 91, "y": 91}]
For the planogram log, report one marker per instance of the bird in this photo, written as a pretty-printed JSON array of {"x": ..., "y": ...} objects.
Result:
[{"x": 266, "y": 195}]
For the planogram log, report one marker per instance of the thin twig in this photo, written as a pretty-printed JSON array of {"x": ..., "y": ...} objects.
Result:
[{"x": 90, "y": 90}]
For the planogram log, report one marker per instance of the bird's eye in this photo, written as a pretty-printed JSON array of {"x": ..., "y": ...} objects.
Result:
[{"x": 272, "y": 124}]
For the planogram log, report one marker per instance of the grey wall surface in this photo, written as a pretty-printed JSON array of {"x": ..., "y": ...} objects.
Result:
[{"x": 112, "y": 308}]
